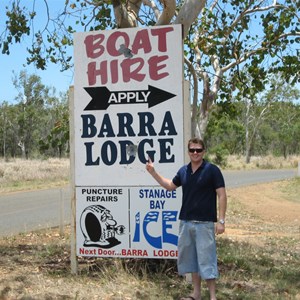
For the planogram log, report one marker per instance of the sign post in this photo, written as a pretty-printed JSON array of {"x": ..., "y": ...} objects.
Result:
[{"x": 128, "y": 106}]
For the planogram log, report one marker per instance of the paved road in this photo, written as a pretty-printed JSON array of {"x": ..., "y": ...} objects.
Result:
[
  {"x": 242, "y": 178},
  {"x": 27, "y": 211}
]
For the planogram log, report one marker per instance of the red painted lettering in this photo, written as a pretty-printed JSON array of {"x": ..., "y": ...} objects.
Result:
[
  {"x": 113, "y": 45},
  {"x": 161, "y": 33},
  {"x": 131, "y": 69},
  {"x": 106, "y": 252},
  {"x": 83, "y": 251},
  {"x": 141, "y": 41},
  {"x": 93, "y": 45},
  {"x": 165, "y": 253},
  {"x": 134, "y": 252},
  {"x": 129, "y": 73},
  {"x": 114, "y": 71},
  {"x": 93, "y": 73},
  {"x": 95, "y": 48},
  {"x": 154, "y": 67}
]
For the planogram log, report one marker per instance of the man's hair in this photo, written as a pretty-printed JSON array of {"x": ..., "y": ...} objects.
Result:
[{"x": 196, "y": 141}]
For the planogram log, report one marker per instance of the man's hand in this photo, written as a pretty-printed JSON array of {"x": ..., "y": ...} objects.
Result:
[
  {"x": 219, "y": 228},
  {"x": 164, "y": 182},
  {"x": 150, "y": 166}
]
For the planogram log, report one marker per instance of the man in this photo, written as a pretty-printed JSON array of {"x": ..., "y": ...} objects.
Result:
[{"x": 202, "y": 183}]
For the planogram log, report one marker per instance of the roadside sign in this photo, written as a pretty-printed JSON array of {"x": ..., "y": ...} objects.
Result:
[{"x": 128, "y": 106}]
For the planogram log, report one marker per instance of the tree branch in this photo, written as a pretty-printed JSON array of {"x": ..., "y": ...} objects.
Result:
[
  {"x": 126, "y": 16},
  {"x": 168, "y": 12},
  {"x": 188, "y": 13},
  {"x": 248, "y": 11},
  {"x": 153, "y": 6},
  {"x": 195, "y": 95}
]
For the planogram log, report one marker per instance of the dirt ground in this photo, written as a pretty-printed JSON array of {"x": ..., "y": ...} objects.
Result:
[
  {"x": 262, "y": 210},
  {"x": 254, "y": 213}
]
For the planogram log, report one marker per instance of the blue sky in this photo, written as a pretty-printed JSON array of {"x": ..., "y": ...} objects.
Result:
[{"x": 16, "y": 61}]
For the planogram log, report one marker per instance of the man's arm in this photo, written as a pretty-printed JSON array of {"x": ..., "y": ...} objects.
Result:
[
  {"x": 162, "y": 181},
  {"x": 222, "y": 198}
]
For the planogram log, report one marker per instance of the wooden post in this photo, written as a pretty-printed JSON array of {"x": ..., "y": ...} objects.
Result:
[
  {"x": 73, "y": 258},
  {"x": 62, "y": 213},
  {"x": 187, "y": 127},
  {"x": 187, "y": 135}
]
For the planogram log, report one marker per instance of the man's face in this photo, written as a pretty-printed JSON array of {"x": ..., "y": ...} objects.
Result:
[{"x": 196, "y": 152}]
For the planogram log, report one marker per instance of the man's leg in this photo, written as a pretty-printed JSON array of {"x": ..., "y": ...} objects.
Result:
[
  {"x": 211, "y": 284},
  {"x": 196, "y": 279}
]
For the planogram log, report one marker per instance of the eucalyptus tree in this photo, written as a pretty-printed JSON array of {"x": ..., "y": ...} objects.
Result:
[
  {"x": 4, "y": 123},
  {"x": 225, "y": 131},
  {"x": 256, "y": 112},
  {"x": 220, "y": 38},
  {"x": 9, "y": 130},
  {"x": 269, "y": 118},
  {"x": 55, "y": 140},
  {"x": 236, "y": 35},
  {"x": 285, "y": 117},
  {"x": 32, "y": 99},
  {"x": 6, "y": 127}
]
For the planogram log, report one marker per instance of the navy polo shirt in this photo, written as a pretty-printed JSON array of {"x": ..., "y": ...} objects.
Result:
[{"x": 199, "y": 197}]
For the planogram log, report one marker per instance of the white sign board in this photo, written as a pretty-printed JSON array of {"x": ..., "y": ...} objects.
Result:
[{"x": 128, "y": 106}]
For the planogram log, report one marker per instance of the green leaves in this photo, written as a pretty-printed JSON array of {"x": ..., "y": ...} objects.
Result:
[
  {"x": 52, "y": 43},
  {"x": 259, "y": 37},
  {"x": 39, "y": 122},
  {"x": 17, "y": 25}
]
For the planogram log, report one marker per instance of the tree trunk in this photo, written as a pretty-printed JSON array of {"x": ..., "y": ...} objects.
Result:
[
  {"x": 22, "y": 146},
  {"x": 168, "y": 12},
  {"x": 188, "y": 13},
  {"x": 126, "y": 15}
]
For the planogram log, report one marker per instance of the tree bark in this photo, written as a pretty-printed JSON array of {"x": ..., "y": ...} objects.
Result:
[
  {"x": 188, "y": 13},
  {"x": 126, "y": 15},
  {"x": 168, "y": 12}
]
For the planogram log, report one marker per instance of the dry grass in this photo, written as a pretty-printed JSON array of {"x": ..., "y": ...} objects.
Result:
[
  {"x": 36, "y": 266},
  {"x": 259, "y": 258},
  {"x": 20, "y": 174},
  {"x": 262, "y": 162}
]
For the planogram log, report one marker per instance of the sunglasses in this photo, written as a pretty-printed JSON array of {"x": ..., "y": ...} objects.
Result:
[{"x": 198, "y": 150}]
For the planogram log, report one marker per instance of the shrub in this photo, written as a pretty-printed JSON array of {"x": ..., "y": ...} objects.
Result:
[{"x": 220, "y": 156}]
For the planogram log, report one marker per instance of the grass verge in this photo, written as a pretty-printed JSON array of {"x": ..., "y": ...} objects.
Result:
[
  {"x": 37, "y": 266},
  {"x": 262, "y": 262}
]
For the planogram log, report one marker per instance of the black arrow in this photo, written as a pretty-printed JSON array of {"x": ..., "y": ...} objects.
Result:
[{"x": 101, "y": 95}]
